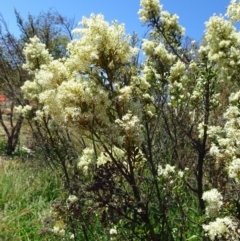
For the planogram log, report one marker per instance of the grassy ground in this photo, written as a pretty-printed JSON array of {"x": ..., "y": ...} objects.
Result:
[{"x": 26, "y": 191}]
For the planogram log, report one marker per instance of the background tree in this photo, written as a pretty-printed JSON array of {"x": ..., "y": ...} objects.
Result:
[
  {"x": 12, "y": 77},
  {"x": 50, "y": 27},
  {"x": 55, "y": 31}
]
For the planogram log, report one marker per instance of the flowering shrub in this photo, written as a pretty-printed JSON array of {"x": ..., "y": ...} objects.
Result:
[
  {"x": 156, "y": 138},
  {"x": 214, "y": 202},
  {"x": 224, "y": 228}
]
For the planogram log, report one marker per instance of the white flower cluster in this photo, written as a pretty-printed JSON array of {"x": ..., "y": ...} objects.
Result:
[
  {"x": 177, "y": 82},
  {"x": 214, "y": 131},
  {"x": 152, "y": 9},
  {"x": 220, "y": 35},
  {"x": 36, "y": 55},
  {"x": 221, "y": 45},
  {"x": 227, "y": 148},
  {"x": 140, "y": 83},
  {"x": 125, "y": 94},
  {"x": 162, "y": 53},
  {"x": 72, "y": 89},
  {"x": 59, "y": 228},
  {"x": 72, "y": 199},
  {"x": 200, "y": 129},
  {"x": 113, "y": 234},
  {"x": 170, "y": 23},
  {"x": 149, "y": 9},
  {"x": 113, "y": 231},
  {"x": 222, "y": 228},
  {"x": 52, "y": 75},
  {"x": 167, "y": 171},
  {"x": 177, "y": 71},
  {"x": 170, "y": 177},
  {"x": 117, "y": 153},
  {"x": 58, "y": 231},
  {"x": 87, "y": 158},
  {"x": 154, "y": 48},
  {"x": 234, "y": 169},
  {"x": 31, "y": 90},
  {"x": 132, "y": 127},
  {"x": 100, "y": 40},
  {"x": 213, "y": 201},
  {"x": 233, "y": 10},
  {"x": 149, "y": 47},
  {"x": 24, "y": 110},
  {"x": 81, "y": 101}
]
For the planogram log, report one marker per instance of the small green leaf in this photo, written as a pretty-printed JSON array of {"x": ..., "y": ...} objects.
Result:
[{"x": 192, "y": 238}]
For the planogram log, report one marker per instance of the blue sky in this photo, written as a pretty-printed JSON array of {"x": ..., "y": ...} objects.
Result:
[{"x": 193, "y": 14}]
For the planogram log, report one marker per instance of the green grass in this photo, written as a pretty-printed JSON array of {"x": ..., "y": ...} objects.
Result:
[{"x": 26, "y": 192}]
